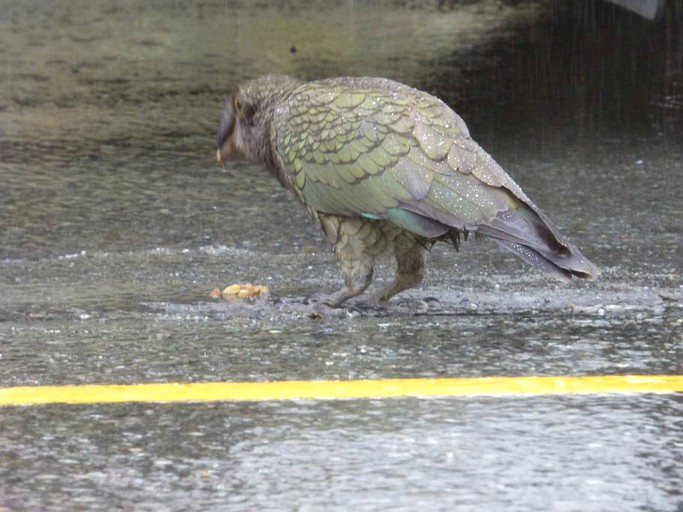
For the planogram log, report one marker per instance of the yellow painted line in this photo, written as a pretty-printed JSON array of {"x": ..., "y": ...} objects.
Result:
[{"x": 338, "y": 389}]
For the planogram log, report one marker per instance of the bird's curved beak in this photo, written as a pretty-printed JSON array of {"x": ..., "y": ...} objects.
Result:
[{"x": 225, "y": 136}]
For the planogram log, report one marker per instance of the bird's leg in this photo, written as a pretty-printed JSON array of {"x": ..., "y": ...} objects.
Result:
[
  {"x": 357, "y": 277},
  {"x": 411, "y": 256},
  {"x": 356, "y": 263}
]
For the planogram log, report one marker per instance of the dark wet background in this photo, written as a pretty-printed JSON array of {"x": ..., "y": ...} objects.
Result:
[{"x": 115, "y": 223}]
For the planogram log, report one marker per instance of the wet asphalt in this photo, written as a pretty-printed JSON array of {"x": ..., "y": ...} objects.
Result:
[{"x": 115, "y": 225}]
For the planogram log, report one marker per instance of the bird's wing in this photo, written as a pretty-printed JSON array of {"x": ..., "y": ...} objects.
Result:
[{"x": 401, "y": 155}]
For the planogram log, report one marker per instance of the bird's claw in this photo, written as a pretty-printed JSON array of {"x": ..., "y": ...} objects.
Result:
[{"x": 324, "y": 310}]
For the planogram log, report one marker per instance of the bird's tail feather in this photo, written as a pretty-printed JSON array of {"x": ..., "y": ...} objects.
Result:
[
  {"x": 527, "y": 232},
  {"x": 537, "y": 260}
]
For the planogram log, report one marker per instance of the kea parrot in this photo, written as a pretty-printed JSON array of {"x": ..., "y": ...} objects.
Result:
[{"x": 386, "y": 168}]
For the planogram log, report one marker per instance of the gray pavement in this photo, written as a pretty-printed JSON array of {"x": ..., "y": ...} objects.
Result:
[{"x": 116, "y": 224}]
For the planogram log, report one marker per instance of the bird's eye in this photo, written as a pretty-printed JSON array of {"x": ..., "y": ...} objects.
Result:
[{"x": 243, "y": 110}]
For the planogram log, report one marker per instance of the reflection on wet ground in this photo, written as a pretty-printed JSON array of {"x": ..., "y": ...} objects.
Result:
[
  {"x": 115, "y": 223},
  {"x": 557, "y": 454}
]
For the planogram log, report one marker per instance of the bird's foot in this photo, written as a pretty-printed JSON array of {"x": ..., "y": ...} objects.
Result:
[
  {"x": 323, "y": 310},
  {"x": 322, "y": 306},
  {"x": 419, "y": 306}
]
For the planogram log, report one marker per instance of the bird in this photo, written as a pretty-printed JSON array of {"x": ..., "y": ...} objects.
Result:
[{"x": 385, "y": 168}]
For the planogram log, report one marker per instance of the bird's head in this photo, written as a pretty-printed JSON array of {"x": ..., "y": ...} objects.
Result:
[{"x": 245, "y": 126}]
